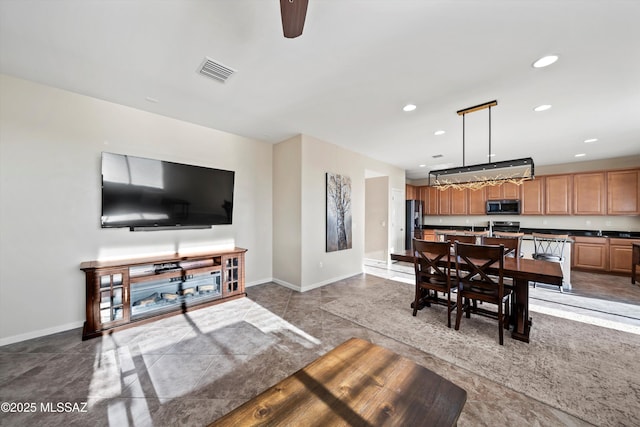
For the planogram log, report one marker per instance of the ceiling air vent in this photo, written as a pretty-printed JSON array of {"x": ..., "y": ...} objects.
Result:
[{"x": 216, "y": 70}]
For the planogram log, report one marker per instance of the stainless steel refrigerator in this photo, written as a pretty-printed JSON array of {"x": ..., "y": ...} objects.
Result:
[{"x": 413, "y": 215}]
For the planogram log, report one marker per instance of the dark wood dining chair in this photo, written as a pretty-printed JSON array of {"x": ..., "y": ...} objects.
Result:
[
  {"x": 477, "y": 283},
  {"x": 483, "y": 233},
  {"x": 511, "y": 245},
  {"x": 432, "y": 261},
  {"x": 459, "y": 238}
]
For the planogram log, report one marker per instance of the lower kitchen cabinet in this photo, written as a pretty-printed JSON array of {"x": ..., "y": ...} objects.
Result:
[
  {"x": 602, "y": 254},
  {"x": 620, "y": 251},
  {"x": 429, "y": 235},
  {"x": 590, "y": 253}
]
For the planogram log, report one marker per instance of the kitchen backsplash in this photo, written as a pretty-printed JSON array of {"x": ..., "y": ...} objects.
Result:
[{"x": 574, "y": 222}]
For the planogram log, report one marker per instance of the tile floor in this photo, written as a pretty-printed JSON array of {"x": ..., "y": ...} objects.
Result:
[{"x": 190, "y": 369}]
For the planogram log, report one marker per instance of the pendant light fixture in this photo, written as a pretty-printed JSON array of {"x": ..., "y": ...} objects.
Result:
[{"x": 485, "y": 174}]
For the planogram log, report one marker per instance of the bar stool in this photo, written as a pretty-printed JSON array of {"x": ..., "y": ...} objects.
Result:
[{"x": 549, "y": 247}]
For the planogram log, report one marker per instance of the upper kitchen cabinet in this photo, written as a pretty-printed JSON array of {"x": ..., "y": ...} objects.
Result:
[
  {"x": 459, "y": 202},
  {"x": 429, "y": 197},
  {"x": 623, "y": 192},
  {"x": 503, "y": 191},
  {"x": 477, "y": 201},
  {"x": 444, "y": 201},
  {"x": 532, "y": 194},
  {"x": 558, "y": 194},
  {"x": 411, "y": 193},
  {"x": 589, "y": 194}
]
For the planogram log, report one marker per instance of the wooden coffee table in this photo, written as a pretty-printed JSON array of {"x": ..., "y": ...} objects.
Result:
[{"x": 358, "y": 384}]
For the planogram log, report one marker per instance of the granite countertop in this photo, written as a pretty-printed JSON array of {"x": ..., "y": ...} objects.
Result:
[{"x": 570, "y": 232}]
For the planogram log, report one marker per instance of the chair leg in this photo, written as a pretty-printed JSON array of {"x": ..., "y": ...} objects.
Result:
[
  {"x": 507, "y": 313},
  {"x": 459, "y": 311},
  {"x": 416, "y": 302},
  {"x": 500, "y": 323},
  {"x": 449, "y": 309}
]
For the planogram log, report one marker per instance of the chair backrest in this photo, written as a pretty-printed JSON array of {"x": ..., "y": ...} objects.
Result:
[
  {"x": 511, "y": 245},
  {"x": 473, "y": 263},
  {"x": 440, "y": 234},
  {"x": 426, "y": 257},
  {"x": 549, "y": 246},
  {"x": 508, "y": 234},
  {"x": 459, "y": 238},
  {"x": 477, "y": 233}
]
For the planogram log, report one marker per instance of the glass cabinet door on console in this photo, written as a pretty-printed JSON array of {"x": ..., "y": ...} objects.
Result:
[
  {"x": 113, "y": 296},
  {"x": 232, "y": 274}
]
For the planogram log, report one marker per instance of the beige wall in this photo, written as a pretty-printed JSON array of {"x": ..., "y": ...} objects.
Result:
[
  {"x": 376, "y": 226},
  {"x": 50, "y": 146},
  {"x": 287, "y": 207},
  {"x": 593, "y": 165},
  {"x": 318, "y": 267}
]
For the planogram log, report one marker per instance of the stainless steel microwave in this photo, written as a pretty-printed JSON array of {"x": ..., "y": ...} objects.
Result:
[{"x": 503, "y": 207}]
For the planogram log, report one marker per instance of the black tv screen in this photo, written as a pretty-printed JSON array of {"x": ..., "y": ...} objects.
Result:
[{"x": 147, "y": 193}]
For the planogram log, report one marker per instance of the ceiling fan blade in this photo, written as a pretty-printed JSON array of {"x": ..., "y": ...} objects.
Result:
[{"x": 293, "y": 14}]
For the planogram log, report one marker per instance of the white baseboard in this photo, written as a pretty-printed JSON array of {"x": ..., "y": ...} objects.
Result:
[
  {"x": 287, "y": 285},
  {"x": 40, "y": 333},
  {"x": 258, "y": 282},
  {"x": 306, "y": 288},
  {"x": 328, "y": 281}
]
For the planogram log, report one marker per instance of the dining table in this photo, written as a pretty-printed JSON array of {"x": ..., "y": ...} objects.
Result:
[{"x": 522, "y": 271}]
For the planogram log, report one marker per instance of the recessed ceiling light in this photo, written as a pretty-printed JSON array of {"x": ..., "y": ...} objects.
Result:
[
  {"x": 580, "y": 155},
  {"x": 543, "y": 107},
  {"x": 409, "y": 107},
  {"x": 590, "y": 140},
  {"x": 150, "y": 99},
  {"x": 423, "y": 166},
  {"x": 491, "y": 155},
  {"x": 439, "y": 132},
  {"x": 545, "y": 61}
]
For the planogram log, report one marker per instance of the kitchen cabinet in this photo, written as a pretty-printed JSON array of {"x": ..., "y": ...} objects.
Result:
[
  {"x": 623, "y": 192},
  {"x": 532, "y": 194},
  {"x": 444, "y": 202},
  {"x": 590, "y": 253},
  {"x": 620, "y": 255},
  {"x": 477, "y": 202},
  {"x": 603, "y": 254},
  {"x": 429, "y": 197},
  {"x": 459, "y": 202},
  {"x": 589, "y": 193},
  {"x": 558, "y": 190},
  {"x": 429, "y": 235},
  {"x": 410, "y": 192},
  {"x": 503, "y": 191},
  {"x": 586, "y": 193}
]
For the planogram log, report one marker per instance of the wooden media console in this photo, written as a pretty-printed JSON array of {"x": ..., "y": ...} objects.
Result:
[{"x": 123, "y": 293}]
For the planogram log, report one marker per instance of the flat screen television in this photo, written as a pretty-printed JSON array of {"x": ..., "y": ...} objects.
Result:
[{"x": 145, "y": 194}]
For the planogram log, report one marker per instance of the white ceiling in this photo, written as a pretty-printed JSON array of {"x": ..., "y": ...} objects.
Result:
[{"x": 358, "y": 62}]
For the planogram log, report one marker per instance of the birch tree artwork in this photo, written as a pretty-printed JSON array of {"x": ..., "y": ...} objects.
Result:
[{"x": 338, "y": 212}]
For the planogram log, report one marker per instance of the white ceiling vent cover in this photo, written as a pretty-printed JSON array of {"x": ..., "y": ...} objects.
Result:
[{"x": 215, "y": 70}]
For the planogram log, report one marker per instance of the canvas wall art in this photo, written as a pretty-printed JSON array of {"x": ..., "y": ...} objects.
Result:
[{"x": 338, "y": 212}]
